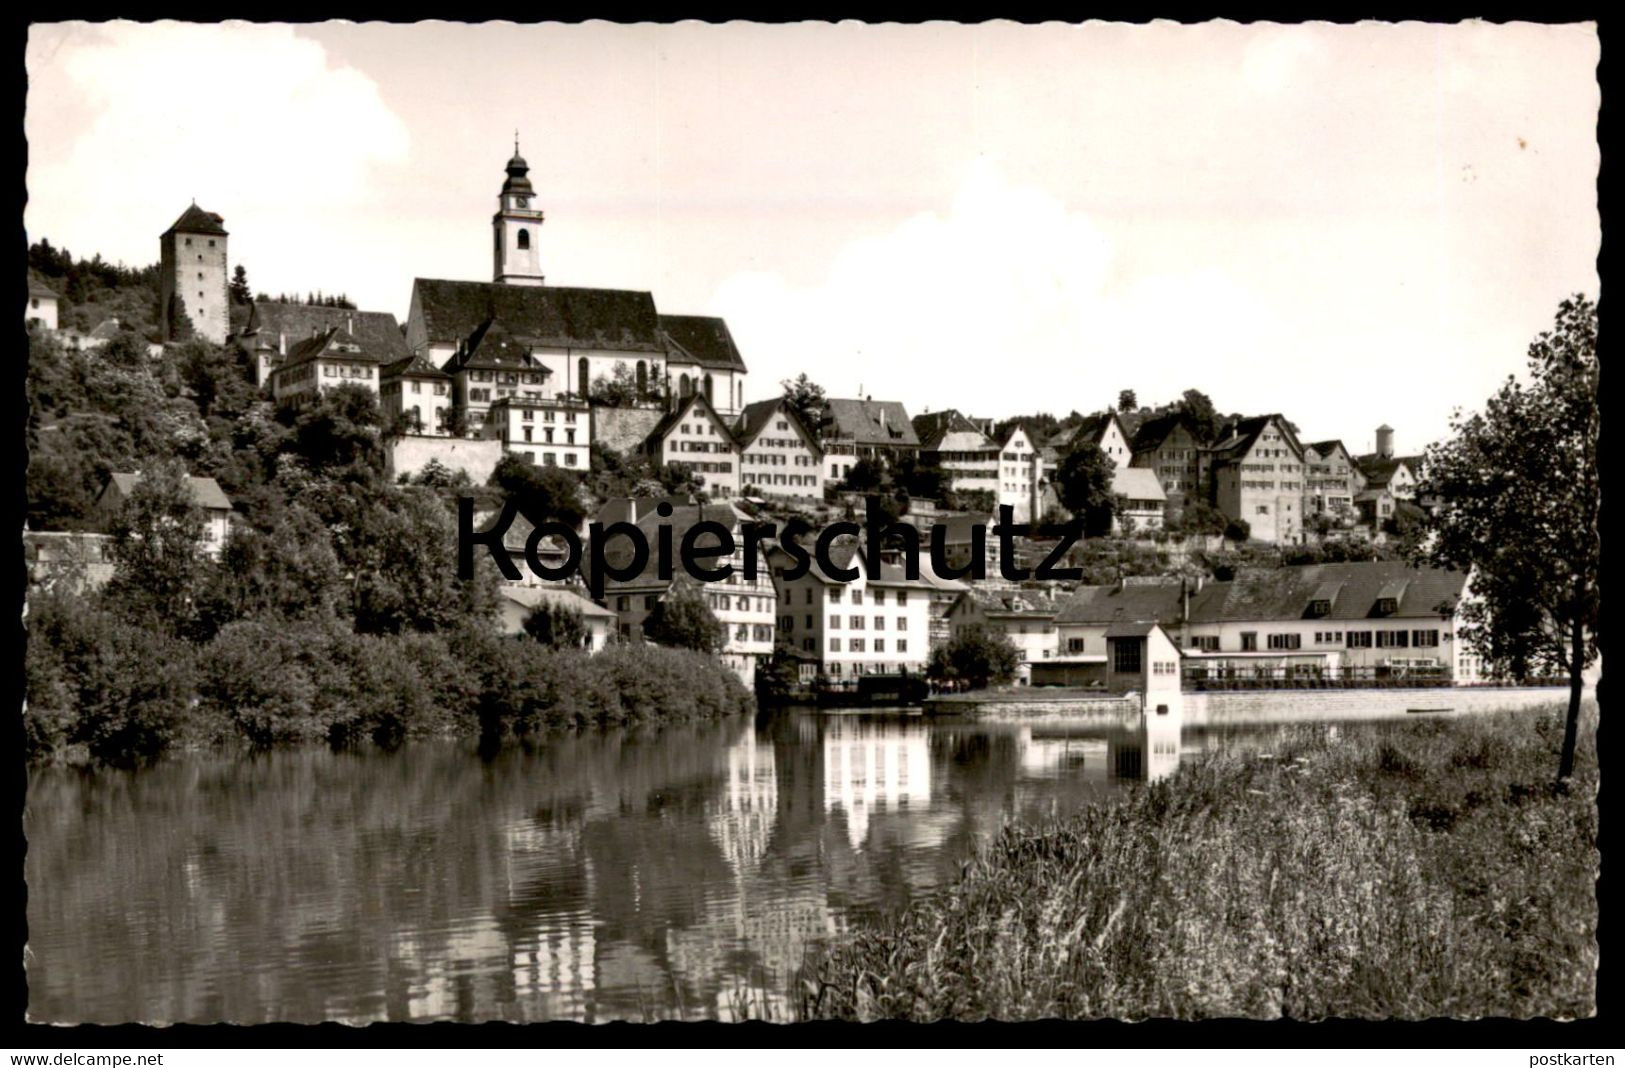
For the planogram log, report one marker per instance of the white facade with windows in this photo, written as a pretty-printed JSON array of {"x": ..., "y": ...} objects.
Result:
[{"x": 547, "y": 432}]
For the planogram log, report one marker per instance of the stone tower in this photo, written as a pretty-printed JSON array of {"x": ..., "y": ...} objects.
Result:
[
  {"x": 517, "y": 228},
  {"x": 1385, "y": 441},
  {"x": 192, "y": 275}
]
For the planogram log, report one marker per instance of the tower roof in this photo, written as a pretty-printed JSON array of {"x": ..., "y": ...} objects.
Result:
[
  {"x": 517, "y": 170},
  {"x": 194, "y": 220}
]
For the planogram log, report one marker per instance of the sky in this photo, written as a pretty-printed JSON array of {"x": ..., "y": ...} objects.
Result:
[{"x": 1351, "y": 225}]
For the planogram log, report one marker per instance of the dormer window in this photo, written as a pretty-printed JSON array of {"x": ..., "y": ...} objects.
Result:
[
  {"x": 1386, "y": 606},
  {"x": 1320, "y": 608}
]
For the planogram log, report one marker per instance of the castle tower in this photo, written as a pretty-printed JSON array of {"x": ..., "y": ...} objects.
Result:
[
  {"x": 1385, "y": 441},
  {"x": 517, "y": 228},
  {"x": 192, "y": 275}
]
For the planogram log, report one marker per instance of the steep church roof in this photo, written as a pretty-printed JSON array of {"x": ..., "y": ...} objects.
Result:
[
  {"x": 616, "y": 320},
  {"x": 705, "y": 338}
]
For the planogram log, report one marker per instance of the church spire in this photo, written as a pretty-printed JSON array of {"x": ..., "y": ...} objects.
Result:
[{"x": 518, "y": 224}]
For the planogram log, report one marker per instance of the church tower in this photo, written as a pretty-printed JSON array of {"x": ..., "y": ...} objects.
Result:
[
  {"x": 192, "y": 276},
  {"x": 517, "y": 228}
]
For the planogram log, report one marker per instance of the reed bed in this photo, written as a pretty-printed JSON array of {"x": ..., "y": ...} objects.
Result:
[{"x": 1413, "y": 869}]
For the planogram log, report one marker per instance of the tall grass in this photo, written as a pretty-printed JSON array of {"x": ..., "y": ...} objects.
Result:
[{"x": 1411, "y": 870}]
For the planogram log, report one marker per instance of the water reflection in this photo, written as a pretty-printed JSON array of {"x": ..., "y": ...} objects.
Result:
[{"x": 680, "y": 872}]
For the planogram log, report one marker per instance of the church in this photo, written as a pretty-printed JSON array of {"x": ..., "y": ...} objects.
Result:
[{"x": 572, "y": 336}]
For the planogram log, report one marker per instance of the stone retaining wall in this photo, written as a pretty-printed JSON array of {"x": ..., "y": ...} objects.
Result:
[{"x": 1285, "y": 706}]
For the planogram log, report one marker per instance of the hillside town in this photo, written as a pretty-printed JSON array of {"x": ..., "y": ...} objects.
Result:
[{"x": 573, "y": 379}]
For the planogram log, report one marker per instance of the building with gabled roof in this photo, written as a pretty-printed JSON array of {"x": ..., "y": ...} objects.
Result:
[
  {"x": 1026, "y": 617},
  {"x": 701, "y": 357},
  {"x": 516, "y": 604},
  {"x": 206, "y": 493},
  {"x": 961, "y": 448},
  {"x": 778, "y": 454},
  {"x": 1257, "y": 471},
  {"x": 1173, "y": 447},
  {"x": 695, "y": 435},
  {"x": 415, "y": 393},
  {"x": 865, "y": 429},
  {"x": 1102, "y": 429},
  {"x": 1086, "y": 615},
  {"x": 333, "y": 358},
  {"x": 43, "y": 304},
  {"x": 1331, "y": 480},
  {"x": 269, "y": 329}
]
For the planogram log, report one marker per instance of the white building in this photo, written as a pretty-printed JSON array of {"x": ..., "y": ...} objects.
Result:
[
  {"x": 316, "y": 365},
  {"x": 694, "y": 435},
  {"x": 778, "y": 455},
  {"x": 42, "y": 305},
  {"x": 879, "y": 624},
  {"x": 517, "y": 603},
  {"x": 206, "y": 493},
  {"x": 550, "y": 432}
]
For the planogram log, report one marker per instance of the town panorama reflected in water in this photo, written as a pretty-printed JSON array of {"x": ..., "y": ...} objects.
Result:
[{"x": 621, "y": 875}]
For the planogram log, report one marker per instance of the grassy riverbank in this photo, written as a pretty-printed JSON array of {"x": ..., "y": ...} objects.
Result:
[{"x": 1412, "y": 869}]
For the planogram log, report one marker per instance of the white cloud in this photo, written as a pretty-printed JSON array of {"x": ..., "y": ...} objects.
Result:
[{"x": 253, "y": 121}]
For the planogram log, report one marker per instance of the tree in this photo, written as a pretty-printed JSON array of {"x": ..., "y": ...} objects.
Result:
[
  {"x": 619, "y": 390},
  {"x": 807, "y": 398},
  {"x": 543, "y": 492},
  {"x": 683, "y": 620},
  {"x": 557, "y": 626},
  {"x": 975, "y": 656},
  {"x": 158, "y": 558},
  {"x": 1203, "y": 416},
  {"x": 1238, "y": 530},
  {"x": 240, "y": 293},
  {"x": 1084, "y": 484},
  {"x": 1519, "y": 504},
  {"x": 866, "y": 476},
  {"x": 340, "y": 432},
  {"x": 1127, "y": 401}
]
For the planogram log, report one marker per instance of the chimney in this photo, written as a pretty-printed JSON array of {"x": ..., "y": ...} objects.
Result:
[
  {"x": 1184, "y": 601},
  {"x": 1385, "y": 441},
  {"x": 281, "y": 343}
]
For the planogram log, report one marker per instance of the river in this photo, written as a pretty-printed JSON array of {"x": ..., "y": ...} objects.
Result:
[{"x": 679, "y": 872}]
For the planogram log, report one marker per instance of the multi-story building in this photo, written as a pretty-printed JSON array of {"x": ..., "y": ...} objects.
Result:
[
  {"x": 1027, "y": 619},
  {"x": 1171, "y": 446},
  {"x": 694, "y": 435},
  {"x": 1090, "y": 611},
  {"x": 747, "y": 608},
  {"x": 778, "y": 455},
  {"x": 865, "y": 430},
  {"x": 1383, "y": 470},
  {"x": 547, "y": 431},
  {"x": 490, "y": 364},
  {"x": 517, "y": 603},
  {"x": 1020, "y": 474},
  {"x": 1141, "y": 502},
  {"x": 417, "y": 394},
  {"x": 1258, "y": 476},
  {"x": 961, "y": 449},
  {"x": 192, "y": 276},
  {"x": 331, "y": 359},
  {"x": 266, "y": 330},
  {"x": 1103, "y": 429},
  {"x": 1377, "y": 619},
  {"x": 1331, "y": 481},
  {"x": 873, "y": 624}
]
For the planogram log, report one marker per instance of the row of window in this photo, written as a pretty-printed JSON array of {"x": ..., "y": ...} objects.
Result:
[
  {"x": 551, "y": 459},
  {"x": 528, "y": 415},
  {"x": 569, "y": 434},
  {"x": 857, "y": 622},
  {"x": 783, "y": 480},
  {"x": 345, "y": 370},
  {"x": 861, "y": 645},
  {"x": 1354, "y": 639},
  {"x": 857, "y": 596},
  {"x": 778, "y": 459},
  {"x": 506, "y": 378}
]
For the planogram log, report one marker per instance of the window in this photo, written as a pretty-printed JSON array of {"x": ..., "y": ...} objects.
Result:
[
  {"x": 1074, "y": 645},
  {"x": 835, "y": 595},
  {"x": 880, "y": 622},
  {"x": 834, "y": 622},
  {"x": 524, "y": 239},
  {"x": 1207, "y": 643},
  {"x": 1319, "y": 608},
  {"x": 1286, "y": 641},
  {"x": 1392, "y": 639},
  {"x": 835, "y": 647},
  {"x": 1249, "y": 642},
  {"x": 880, "y": 596},
  {"x": 857, "y": 596},
  {"x": 1387, "y": 606},
  {"x": 622, "y": 603},
  {"x": 1126, "y": 655},
  {"x": 855, "y": 623},
  {"x": 902, "y": 622},
  {"x": 1358, "y": 639},
  {"x": 1424, "y": 639},
  {"x": 902, "y": 645},
  {"x": 859, "y": 645},
  {"x": 880, "y": 645}
]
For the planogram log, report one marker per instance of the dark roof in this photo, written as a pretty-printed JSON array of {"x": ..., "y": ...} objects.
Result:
[
  {"x": 378, "y": 331},
  {"x": 1148, "y": 603},
  {"x": 205, "y": 491},
  {"x": 492, "y": 346},
  {"x": 1010, "y": 602},
  {"x": 1379, "y": 470},
  {"x": 1324, "y": 448},
  {"x": 933, "y": 427},
  {"x": 1240, "y": 437},
  {"x": 416, "y": 366},
  {"x": 1126, "y": 629},
  {"x": 335, "y": 343},
  {"x": 1092, "y": 430},
  {"x": 517, "y": 168},
  {"x": 1285, "y": 593},
  {"x": 869, "y": 422},
  {"x": 704, "y": 339},
  {"x": 620, "y": 320},
  {"x": 1151, "y": 433},
  {"x": 38, "y": 288},
  {"x": 194, "y": 220},
  {"x": 755, "y": 418},
  {"x": 680, "y": 412}
]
